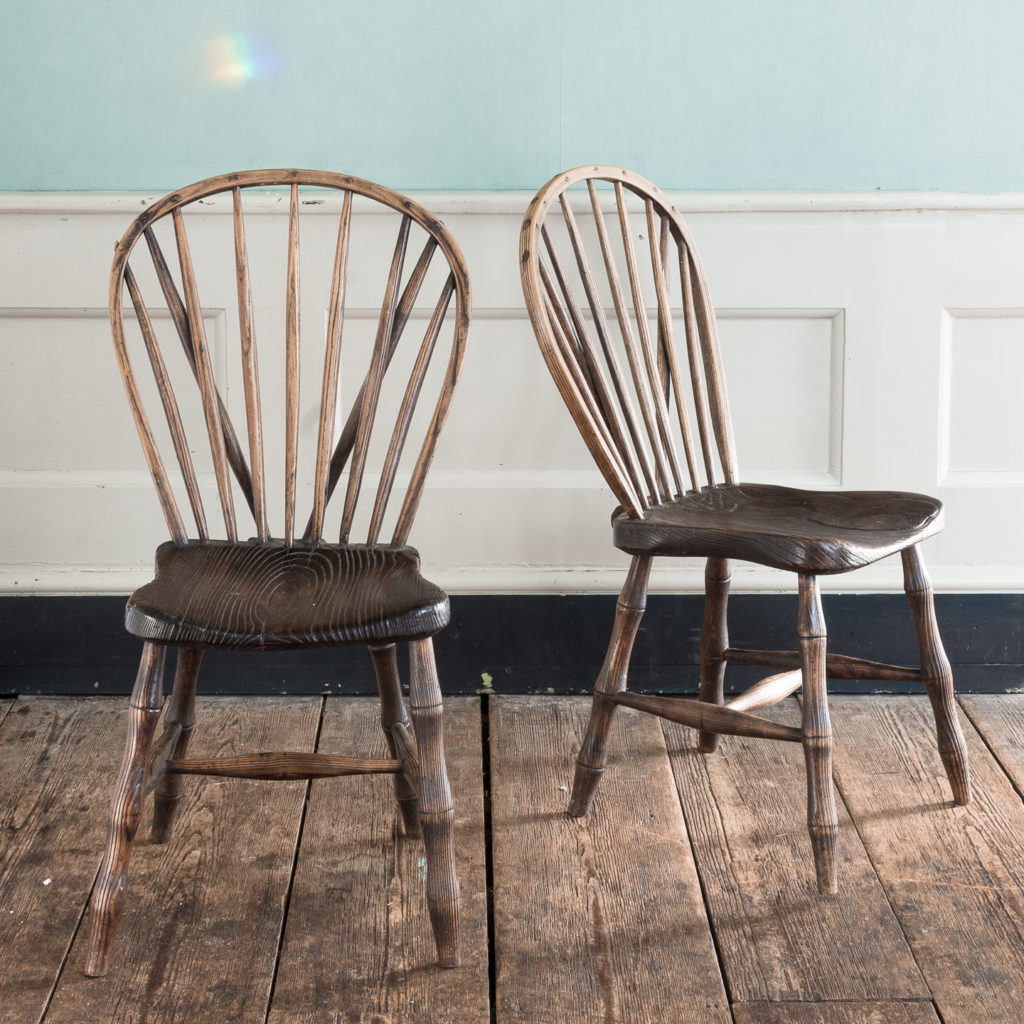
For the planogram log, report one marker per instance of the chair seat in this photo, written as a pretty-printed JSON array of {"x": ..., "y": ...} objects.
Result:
[
  {"x": 251, "y": 596},
  {"x": 802, "y": 531}
]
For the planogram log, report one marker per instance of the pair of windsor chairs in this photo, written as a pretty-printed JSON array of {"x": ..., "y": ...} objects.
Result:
[{"x": 305, "y": 591}]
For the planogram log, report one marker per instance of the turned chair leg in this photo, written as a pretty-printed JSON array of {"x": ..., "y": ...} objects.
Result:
[
  {"x": 437, "y": 813},
  {"x": 937, "y": 675},
  {"x": 394, "y": 715},
  {"x": 612, "y": 679},
  {"x": 125, "y": 810},
  {"x": 822, "y": 822},
  {"x": 714, "y": 640},
  {"x": 181, "y": 713}
]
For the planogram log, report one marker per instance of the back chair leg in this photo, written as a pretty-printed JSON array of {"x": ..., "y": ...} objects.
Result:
[
  {"x": 936, "y": 674},
  {"x": 612, "y": 679},
  {"x": 714, "y": 640},
  {"x": 125, "y": 810},
  {"x": 181, "y": 711},
  {"x": 822, "y": 822},
  {"x": 393, "y": 714},
  {"x": 437, "y": 813}
]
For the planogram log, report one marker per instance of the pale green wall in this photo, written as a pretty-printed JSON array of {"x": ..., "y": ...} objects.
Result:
[{"x": 453, "y": 94}]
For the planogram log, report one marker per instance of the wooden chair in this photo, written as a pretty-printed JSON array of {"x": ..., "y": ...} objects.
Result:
[
  {"x": 291, "y": 590},
  {"x": 656, "y": 421}
]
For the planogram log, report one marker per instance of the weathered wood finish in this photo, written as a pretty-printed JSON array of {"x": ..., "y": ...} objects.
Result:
[
  {"x": 629, "y": 610},
  {"x": 125, "y": 809},
  {"x": 628, "y": 424},
  {"x": 291, "y": 593},
  {"x": 576, "y": 937},
  {"x": 776, "y": 941},
  {"x": 835, "y": 1013}
]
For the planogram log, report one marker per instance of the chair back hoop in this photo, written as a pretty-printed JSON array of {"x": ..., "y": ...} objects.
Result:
[
  {"x": 434, "y": 291},
  {"x": 639, "y": 399}
]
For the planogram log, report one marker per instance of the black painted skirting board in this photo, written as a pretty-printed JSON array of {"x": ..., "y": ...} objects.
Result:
[{"x": 524, "y": 644}]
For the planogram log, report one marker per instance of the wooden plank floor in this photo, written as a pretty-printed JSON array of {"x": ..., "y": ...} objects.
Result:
[{"x": 687, "y": 894}]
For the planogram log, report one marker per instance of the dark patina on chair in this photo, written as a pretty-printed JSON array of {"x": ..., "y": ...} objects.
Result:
[
  {"x": 656, "y": 421},
  {"x": 293, "y": 590}
]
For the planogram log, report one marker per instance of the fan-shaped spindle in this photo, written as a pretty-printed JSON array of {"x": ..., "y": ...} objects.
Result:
[
  {"x": 712, "y": 360},
  {"x": 573, "y": 364},
  {"x": 169, "y": 403},
  {"x": 205, "y": 373},
  {"x": 642, "y": 470},
  {"x": 378, "y": 365},
  {"x": 650, "y": 358},
  {"x": 667, "y": 345},
  {"x": 168, "y": 505},
  {"x": 250, "y": 370},
  {"x": 291, "y": 368},
  {"x": 332, "y": 356},
  {"x": 694, "y": 351},
  {"x": 662, "y": 358},
  {"x": 641, "y": 385},
  {"x": 179, "y": 316},
  {"x": 590, "y": 359},
  {"x": 408, "y": 407},
  {"x": 346, "y": 439},
  {"x": 414, "y": 491}
]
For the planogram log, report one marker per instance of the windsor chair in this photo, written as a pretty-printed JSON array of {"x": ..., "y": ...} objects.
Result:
[
  {"x": 296, "y": 589},
  {"x": 620, "y": 387}
]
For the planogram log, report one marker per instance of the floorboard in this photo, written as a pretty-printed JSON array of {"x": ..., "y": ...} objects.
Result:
[
  {"x": 954, "y": 875},
  {"x": 199, "y": 937},
  {"x": 264, "y": 903},
  {"x": 835, "y": 1013},
  {"x": 746, "y": 811},
  {"x": 58, "y": 759},
  {"x": 598, "y": 919},
  {"x": 358, "y": 944}
]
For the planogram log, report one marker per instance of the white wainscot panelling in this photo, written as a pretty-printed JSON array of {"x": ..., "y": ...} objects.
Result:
[{"x": 872, "y": 342}]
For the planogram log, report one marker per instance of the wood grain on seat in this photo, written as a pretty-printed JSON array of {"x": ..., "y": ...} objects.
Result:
[
  {"x": 263, "y": 597},
  {"x": 784, "y": 527}
]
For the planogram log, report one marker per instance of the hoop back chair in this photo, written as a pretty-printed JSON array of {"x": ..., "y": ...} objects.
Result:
[
  {"x": 653, "y": 412},
  {"x": 299, "y": 588}
]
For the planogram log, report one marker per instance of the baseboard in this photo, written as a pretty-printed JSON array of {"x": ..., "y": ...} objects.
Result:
[{"x": 524, "y": 644}]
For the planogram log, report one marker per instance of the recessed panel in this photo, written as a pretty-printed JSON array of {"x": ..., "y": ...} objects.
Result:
[
  {"x": 984, "y": 420},
  {"x": 784, "y": 378}
]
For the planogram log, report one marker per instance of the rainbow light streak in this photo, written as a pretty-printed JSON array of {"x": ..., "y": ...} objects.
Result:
[{"x": 235, "y": 60}]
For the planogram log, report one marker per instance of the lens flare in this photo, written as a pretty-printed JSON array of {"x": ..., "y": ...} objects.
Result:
[{"x": 237, "y": 59}]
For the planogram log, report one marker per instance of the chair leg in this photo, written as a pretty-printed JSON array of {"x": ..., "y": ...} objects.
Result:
[
  {"x": 437, "y": 813},
  {"x": 822, "y": 822},
  {"x": 125, "y": 809},
  {"x": 181, "y": 712},
  {"x": 937, "y": 675},
  {"x": 392, "y": 714},
  {"x": 612, "y": 679},
  {"x": 714, "y": 639}
]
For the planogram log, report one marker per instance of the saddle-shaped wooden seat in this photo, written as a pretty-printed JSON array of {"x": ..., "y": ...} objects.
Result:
[
  {"x": 818, "y": 532},
  {"x": 263, "y": 597}
]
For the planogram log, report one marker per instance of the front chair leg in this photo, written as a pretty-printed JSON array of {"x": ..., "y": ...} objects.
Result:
[
  {"x": 125, "y": 809},
  {"x": 392, "y": 715},
  {"x": 612, "y": 679},
  {"x": 437, "y": 813},
  {"x": 714, "y": 640},
  {"x": 822, "y": 822},
  {"x": 937, "y": 675},
  {"x": 181, "y": 713}
]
